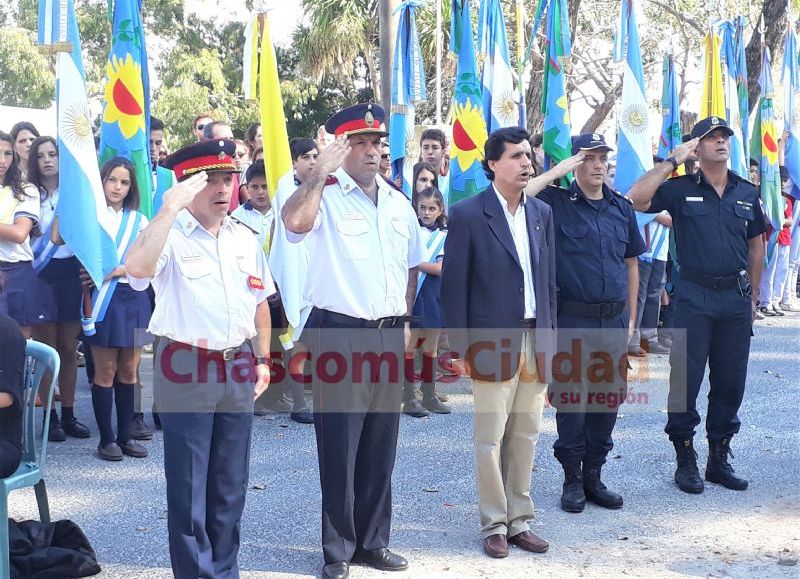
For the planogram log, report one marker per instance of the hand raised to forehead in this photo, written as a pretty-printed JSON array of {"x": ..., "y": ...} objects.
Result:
[
  {"x": 333, "y": 155},
  {"x": 182, "y": 194}
]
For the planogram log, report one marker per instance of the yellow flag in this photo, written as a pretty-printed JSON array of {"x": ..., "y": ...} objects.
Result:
[
  {"x": 277, "y": 159},
  {"x": 713, "y": 101}
]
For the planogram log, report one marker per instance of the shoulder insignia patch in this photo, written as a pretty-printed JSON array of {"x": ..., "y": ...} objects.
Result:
[
  {"x": 331, "y": 180},
  {"x": 238, "y": 221}
]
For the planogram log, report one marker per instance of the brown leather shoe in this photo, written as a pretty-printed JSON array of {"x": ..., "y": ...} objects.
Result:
[
  {"x": 530, "y": 542},
  {"x": 496, "y": 546}
]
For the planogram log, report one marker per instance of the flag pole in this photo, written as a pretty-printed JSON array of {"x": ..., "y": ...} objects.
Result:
[{"x": 439, "y": 62}]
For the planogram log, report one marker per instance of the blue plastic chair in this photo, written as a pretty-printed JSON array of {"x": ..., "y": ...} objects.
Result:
[{"x": 40, "y": 359}]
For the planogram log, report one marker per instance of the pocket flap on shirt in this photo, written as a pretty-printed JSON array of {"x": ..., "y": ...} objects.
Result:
[
  {"x": 574, "y": 230},
  {"x": 193, "y": 268},
  {"x": 352, "y": 226}
]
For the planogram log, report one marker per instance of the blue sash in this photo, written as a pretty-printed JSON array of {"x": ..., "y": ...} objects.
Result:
[
  {"x": 432, "y": 250},
  {"x": 101, "y": 297}
]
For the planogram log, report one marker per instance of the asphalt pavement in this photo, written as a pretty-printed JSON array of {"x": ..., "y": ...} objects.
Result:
[{"x": 660, "y": 532}]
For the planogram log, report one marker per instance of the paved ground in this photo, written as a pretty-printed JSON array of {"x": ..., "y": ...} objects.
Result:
[{"x": 660, "y": 532}]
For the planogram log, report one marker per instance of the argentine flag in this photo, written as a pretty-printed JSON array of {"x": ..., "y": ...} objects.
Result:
[
  {"x": 634, "y": 156},
  {"x": 84, "y": 220},
  {"x": 738, "y": 160},
  {"x": 791, "y": 87},
  {"x": 500, "y": 101}
]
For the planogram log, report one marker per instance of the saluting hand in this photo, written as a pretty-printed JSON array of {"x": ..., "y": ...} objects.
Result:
[
  {"x": 682, "y": 152},
  {"x": 332, "y": 156},
  {"x": 182, "y": 194},
  {"x": 568, "y": 165}
]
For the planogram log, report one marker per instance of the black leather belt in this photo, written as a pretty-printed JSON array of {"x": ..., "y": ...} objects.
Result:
[
  {"x": 227, "y": 355},
  {"x": 352, "y": 322},
  {"x": 710, "y": 281},
  {"x": 529, "y": 324},
  {"x": 602, "y": 310}
]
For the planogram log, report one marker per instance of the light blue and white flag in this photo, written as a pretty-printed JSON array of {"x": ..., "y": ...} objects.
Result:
[
  {"x": 634, "y": 152},
  {"x": 408, "y": 88},
  {"x": 501, "y": 106},
  {"x": 738, "y": 161},
  {"x": 84, "y": 220},
  {"x": 791, "y": 87}
]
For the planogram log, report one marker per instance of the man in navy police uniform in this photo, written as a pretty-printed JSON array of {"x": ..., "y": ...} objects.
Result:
[
  {"x": 597, "y": 276},
  {"x": 718, "y": 225}
]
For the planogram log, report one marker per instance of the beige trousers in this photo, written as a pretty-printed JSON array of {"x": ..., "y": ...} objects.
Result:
[{"x": 506, "y": 427}]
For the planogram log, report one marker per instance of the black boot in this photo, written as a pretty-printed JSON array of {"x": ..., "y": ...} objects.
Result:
[
  {"x": 596, "y": 492},
  {"x": 55, "y": 432},
  {"x": 687, "y": 477},
  {"x": 573, "y": 499},
  {"x": 718, "y": 470}
]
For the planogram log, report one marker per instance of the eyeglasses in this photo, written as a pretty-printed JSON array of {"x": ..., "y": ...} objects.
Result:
[
  {"x": 385, "y": 157},
  {"x": 201, "y": 126}
]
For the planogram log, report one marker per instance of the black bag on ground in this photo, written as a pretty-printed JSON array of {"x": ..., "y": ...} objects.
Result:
[{"x": 56, "y": 550}]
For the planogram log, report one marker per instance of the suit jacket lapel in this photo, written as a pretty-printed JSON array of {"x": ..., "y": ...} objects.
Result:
[
  {"x": 533, "y": 220},
  {"x": 498, "y": 223}
]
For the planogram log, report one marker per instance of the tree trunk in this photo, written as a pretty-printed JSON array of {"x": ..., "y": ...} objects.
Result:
[
  {"x": 773, "y": 14},
  {"x": 601, "y": 111}
]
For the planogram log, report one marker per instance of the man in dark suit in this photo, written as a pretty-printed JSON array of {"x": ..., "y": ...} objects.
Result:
[{"x": 499, "y": 279}]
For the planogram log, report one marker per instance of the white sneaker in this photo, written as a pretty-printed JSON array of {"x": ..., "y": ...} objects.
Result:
[{"x": 790, "y": 307}]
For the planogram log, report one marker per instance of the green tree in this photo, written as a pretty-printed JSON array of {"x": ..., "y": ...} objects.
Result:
[{"x": 26, "y": 77}]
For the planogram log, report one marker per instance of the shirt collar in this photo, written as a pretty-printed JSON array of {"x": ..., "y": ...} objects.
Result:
[
  {"x": 348, "y": 184},
  {"x": 577, "y": 193},
  {"x": 187, "y": 222},
  {"x": 504, "y": 203}
]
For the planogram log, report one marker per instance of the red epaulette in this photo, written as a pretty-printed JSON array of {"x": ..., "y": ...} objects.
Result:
[{"x": 331, "y": 180}]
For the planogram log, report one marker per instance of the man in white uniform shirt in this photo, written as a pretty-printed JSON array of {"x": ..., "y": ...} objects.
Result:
[
  {"x": 210, "y": 315},
  {"x": 364, "y": 247}
]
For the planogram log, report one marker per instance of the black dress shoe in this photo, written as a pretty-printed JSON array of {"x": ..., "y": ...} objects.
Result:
[
  {"x": 139, "y": 429},
  {"x": 304, "y": 417},
  {"x": 110, "y": 451},
  {"x": 134, "y": 449},
  {"x": 74, "y": 428},
  {"x": 55, "y": 432},
  {"x": 338, "y": 570},
  {"x": 381, "y": 559}
]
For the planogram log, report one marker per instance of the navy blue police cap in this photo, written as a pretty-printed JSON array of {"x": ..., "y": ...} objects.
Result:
[
  {"x": 211, "y": 156},
  {"x": 357, "y": 119},
  {"x": 708, "y": 124},
  {"x": 589, "y": 142}
]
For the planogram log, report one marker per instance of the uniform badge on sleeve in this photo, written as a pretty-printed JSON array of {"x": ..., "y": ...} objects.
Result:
[{"x": 255, "y": 282}]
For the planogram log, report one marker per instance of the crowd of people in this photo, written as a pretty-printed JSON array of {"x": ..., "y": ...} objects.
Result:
[{"x": 340, "y": 260}]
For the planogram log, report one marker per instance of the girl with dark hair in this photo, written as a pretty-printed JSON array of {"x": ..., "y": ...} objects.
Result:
[
  {"x": 424, "y": 176},
  {"x": 427, "y": 305},
  {"x": 59, "y": 285},
  {"x": 118, "y": 337},
  {"x": 253, "y": 140},
  {"x": 19, "y": 215},
  {"x": 23, "y": 134}
]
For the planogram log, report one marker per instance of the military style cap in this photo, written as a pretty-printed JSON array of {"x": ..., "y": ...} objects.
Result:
[
  {"x": 708, "y": 124},
  {"x": 357, "y": 119},
  {"x": 589, "y": 142},
  {"x": 211, "y": 156}
]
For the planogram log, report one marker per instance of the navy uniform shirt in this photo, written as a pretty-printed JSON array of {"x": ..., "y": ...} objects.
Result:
[
  {"x": 711, "y": 233},
  {"x": 593, "y": 238}
]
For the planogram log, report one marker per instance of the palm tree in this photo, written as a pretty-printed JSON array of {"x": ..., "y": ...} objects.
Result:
[{"x": 336, "y": 33}]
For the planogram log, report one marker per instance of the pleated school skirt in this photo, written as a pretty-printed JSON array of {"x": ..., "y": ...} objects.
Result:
[{"x": 125, "y": 322}]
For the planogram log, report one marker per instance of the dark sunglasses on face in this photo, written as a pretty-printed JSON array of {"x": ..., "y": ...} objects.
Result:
[{"x": 201, "y": 126}]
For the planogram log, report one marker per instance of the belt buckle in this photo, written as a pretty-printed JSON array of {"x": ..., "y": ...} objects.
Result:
[
  {"x": 606, "y": 310},
  {"x": 716, "y": 282},
  {"x": 229, "y": 354},
  {"x": 385, "y": 323}
]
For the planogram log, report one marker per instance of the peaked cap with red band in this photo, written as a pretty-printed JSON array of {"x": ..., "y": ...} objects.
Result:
[
  {"x": 357, "y": 119},
  {"x": 211, "y": 156}
]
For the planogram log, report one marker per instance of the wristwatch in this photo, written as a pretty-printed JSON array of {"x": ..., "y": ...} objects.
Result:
[
  {"x": 675, "y": 163},
  {"x": 259, "y": 361}
]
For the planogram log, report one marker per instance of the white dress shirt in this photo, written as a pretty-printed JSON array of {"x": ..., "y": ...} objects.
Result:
[
  {"x": 207, "y": 288},
  {"x": 360, "y": 253},
  {"x": 519, "y": 232},
  {"x": 47, "y": 212},
  {"x": 116, "y": 216}
]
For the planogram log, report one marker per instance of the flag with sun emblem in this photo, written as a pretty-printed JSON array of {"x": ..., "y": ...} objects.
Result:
[
  {"x": 408, "y": 88},
  {"x": 764, "y": 146},
  {"x": 634, "y": 153},
  {"x": 556, "y": 138},
  {"x": 125, "y": 130},
  {"x": 84, "y": 221},
  {"x": 500, "y": 100},
  {"x": 469, "y": 127},
  {"x": 791, "y": 87}
]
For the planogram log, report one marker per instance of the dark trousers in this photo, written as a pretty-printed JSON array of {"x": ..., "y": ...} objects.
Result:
[
  {"x": 714, "y": 327},
  {"x": 10, "y": 456},
  {"x": 356, "y": 421},
  {"x": 587, "y": 400},
  {"x": 648, "y": 303},
  {"x": 207, "y": 427}
]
